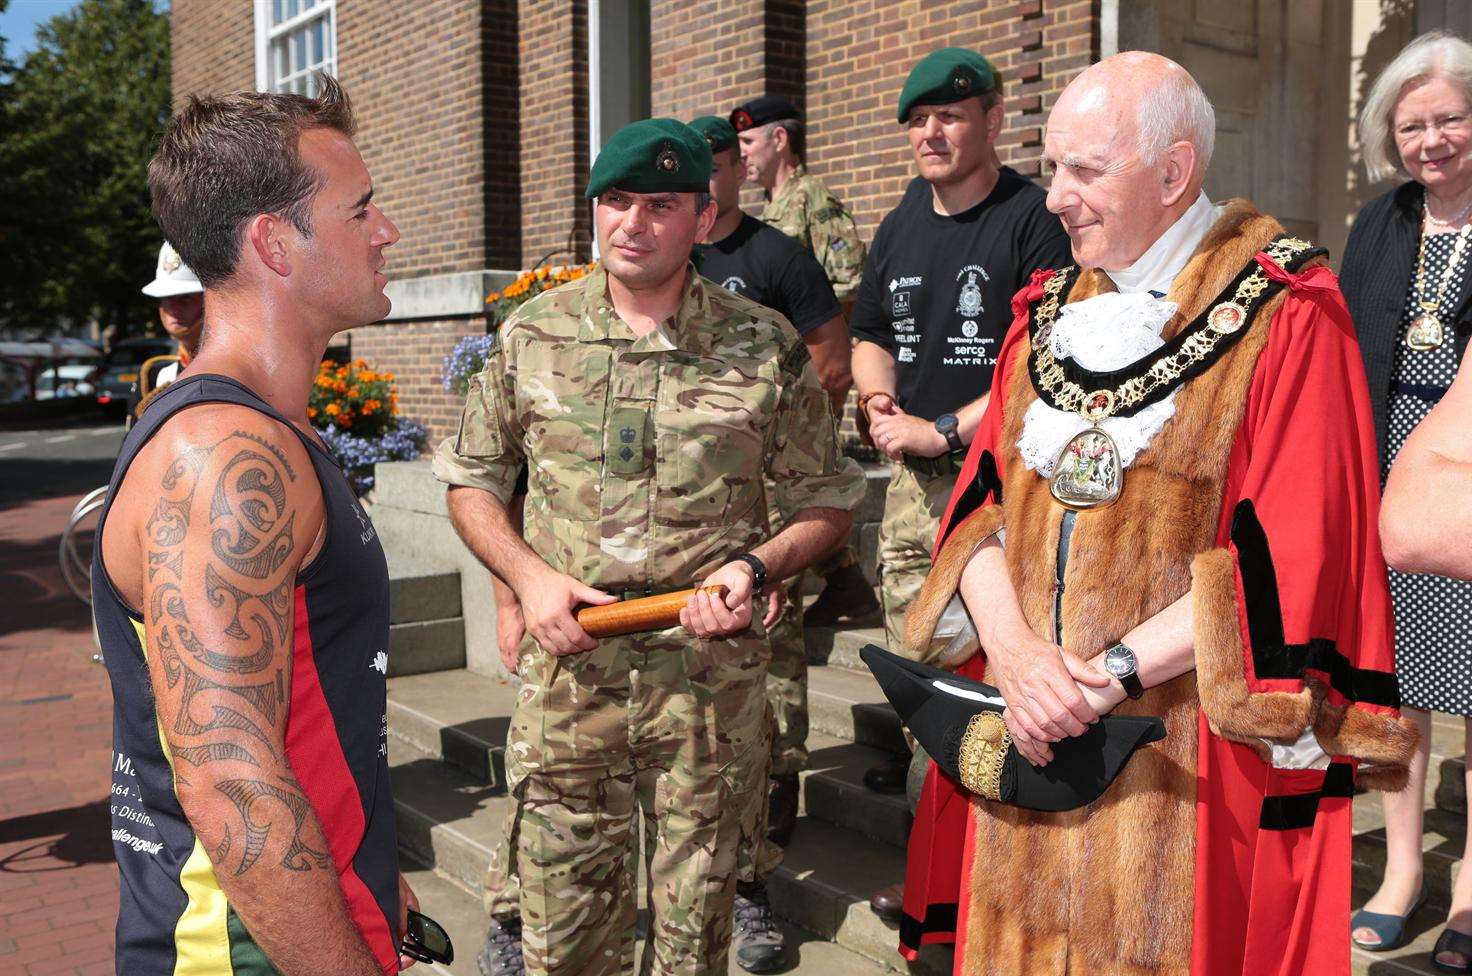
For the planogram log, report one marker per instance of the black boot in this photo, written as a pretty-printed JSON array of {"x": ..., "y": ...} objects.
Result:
[
  {"x": 501, "y": 955},
  {"x": 782, "y": 796},
  {"x": 848, "y": 598},
  {"x": 758, "y": 940}
]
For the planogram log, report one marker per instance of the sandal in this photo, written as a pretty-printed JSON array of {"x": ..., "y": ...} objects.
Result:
[
  {"x": 1392, "y": 929},
  {"x": 1451, "y": 940}
]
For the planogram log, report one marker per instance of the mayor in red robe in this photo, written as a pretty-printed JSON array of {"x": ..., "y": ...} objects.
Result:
[{"x": 1252, "y": 512}]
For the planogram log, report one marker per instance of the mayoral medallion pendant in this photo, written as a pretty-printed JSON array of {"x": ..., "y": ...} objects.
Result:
[
  {"x": 1087, "y": 473},
  {"x": 1425, "y": 332}
]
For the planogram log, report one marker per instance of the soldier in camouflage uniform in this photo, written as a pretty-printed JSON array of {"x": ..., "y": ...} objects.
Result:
[
  {"x": 646, "y": 406},
  {"x": 773, "y": 141}
]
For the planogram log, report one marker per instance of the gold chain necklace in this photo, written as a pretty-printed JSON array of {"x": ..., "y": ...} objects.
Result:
[
  {"x": 1088, "y": 473},
  {"x": 1426, "y": 330}
]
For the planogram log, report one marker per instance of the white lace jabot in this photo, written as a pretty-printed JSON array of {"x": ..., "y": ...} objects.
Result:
[{"x": 1106, "y": 332}]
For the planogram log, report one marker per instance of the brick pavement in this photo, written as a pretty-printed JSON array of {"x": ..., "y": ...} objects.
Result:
[{"x": 58, "y": 883}]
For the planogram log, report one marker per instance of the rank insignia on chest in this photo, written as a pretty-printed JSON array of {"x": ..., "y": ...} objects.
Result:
[{"x": 627, "y": 439}]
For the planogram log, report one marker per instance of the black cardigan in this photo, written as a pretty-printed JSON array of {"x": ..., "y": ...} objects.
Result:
[{"x": 1379, "y": 260}]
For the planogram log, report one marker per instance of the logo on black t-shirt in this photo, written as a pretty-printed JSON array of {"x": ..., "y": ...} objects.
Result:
[
  {"x": 734, "y": 283},
  {"x": 969, "y": 304},
  {"x": 901, "y": 303}
]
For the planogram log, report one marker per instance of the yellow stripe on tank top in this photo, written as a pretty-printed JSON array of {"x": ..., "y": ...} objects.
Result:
[{"x": 202, "y": 935}]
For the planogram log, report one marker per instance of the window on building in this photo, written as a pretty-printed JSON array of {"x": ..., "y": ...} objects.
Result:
[
  {"x": 618, "y": 67},
  {"x": 294, "y": 40}
]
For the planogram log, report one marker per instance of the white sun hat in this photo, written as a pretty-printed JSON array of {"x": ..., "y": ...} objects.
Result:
[{"x": 173, "y": 276}]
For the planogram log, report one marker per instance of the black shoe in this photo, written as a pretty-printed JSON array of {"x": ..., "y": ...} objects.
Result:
[
  {"x": 501, "y": 955},
  {"x": 848, "y": 598},
  {"x": 888, "y": 777},
  {"x": 759, "y": 943},
  {"x": 782, "y": 797}
]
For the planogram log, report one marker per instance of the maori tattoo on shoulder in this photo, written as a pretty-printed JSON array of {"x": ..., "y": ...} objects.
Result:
[{"x": 220, "y": 562}]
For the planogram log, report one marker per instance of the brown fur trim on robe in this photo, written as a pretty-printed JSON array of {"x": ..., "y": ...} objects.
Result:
[
  {"x": 944, "y": 578},
  {"x": 1233, "y": 711}
]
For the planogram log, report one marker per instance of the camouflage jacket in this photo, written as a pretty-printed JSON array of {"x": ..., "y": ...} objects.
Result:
[
  {"x": 646, "y": 455},
  {"x": 808, "y": 212}
]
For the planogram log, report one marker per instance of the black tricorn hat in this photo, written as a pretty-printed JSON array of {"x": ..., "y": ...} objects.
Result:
[{"x": 959, "y": 722}]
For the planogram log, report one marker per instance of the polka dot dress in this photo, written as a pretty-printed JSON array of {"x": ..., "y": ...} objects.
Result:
[{"x": 1433, "y": 614}]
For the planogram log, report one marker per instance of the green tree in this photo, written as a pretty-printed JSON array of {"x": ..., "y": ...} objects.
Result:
[{"x": 79, "y": 120}]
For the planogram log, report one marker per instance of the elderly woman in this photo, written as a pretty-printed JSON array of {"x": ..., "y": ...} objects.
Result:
[{"x": 1405, "y": 279}]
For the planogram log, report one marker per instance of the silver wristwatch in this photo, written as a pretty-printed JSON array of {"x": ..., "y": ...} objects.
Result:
[{"x": 1119, "y": 661}]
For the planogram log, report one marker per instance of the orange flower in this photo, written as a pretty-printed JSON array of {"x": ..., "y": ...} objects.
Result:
[
  {"x": 345, "y": 421},
  {"x": 371, "y": 406},
  {"x": 353, "y": 392},
  {"x": 311, "y": 412},
  {"x": 332, "y": 410}
]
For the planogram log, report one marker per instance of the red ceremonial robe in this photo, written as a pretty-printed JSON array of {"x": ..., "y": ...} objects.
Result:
[{"x": 1293, "y": 632}]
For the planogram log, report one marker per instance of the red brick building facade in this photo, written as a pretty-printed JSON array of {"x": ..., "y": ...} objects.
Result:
[{"x": 478, "y": 118}]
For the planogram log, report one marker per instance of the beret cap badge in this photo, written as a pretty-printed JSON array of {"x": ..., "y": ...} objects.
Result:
[
  {"x": 961, "y": 82},
  {"x": 667, "y": 160}
]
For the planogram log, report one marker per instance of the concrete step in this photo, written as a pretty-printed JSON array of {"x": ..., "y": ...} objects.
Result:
[
  {"x": 848, "y": 705},
  {"x": 458, "y": 716},
  {"x": 834, "y": 792},
  {"x": 450, "y": 822},
  {"x": 415, "y": 647},
  {"x": 824, "y": 885},
  {"x": 838, "y": 647},
  {"x": 419, "y": 591}
]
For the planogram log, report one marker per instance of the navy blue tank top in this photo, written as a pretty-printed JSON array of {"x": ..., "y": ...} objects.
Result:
[{"x": 173, "y": 917}]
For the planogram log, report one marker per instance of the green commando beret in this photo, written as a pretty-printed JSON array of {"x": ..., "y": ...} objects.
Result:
[
  {"x": 652, "y": 156},
  {"x": 717, "y": 131},
  {"x": 946, "y": 76}
]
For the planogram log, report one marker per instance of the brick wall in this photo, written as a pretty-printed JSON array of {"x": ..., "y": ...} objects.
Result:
[
  {"x": 214, "y": 47},
  {"x": 858, "y": 53},
  {"x": 414, "y": 71},
  {"x": 413, "y": 352},
  {"x": 553, "y": 60}
]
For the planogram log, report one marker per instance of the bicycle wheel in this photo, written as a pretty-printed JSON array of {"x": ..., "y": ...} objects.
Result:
[{"x": 76, "y": 565}]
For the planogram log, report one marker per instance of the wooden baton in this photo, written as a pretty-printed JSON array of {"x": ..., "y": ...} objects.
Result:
[{"x": 637, "y": 616}]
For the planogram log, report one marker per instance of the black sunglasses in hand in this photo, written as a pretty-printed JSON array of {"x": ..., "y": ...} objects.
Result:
[{"x": 426, "y": 940}]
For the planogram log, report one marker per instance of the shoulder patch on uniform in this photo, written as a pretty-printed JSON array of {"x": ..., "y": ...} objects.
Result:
[{"x": 796, "y": 359}]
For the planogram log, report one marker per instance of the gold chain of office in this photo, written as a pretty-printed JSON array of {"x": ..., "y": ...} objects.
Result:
[{"x": 1223, "y": 320}]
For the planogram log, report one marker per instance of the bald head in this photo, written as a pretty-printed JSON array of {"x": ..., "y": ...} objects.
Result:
[
  {"x": 1154, "y": 99},
  {"x": 1128, "y": 142}
]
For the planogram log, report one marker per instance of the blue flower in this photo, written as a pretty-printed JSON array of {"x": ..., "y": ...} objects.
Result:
[
  {"x": 465, "y": 360},
  {"x": 402, "y": 442}
]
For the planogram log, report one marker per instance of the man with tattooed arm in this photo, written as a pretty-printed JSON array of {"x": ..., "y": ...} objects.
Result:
[{"x": 240, "y": 592}]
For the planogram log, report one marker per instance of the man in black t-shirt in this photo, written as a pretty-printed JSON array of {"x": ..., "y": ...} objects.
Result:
[
  {"x": 760, "y": 262},
  {"x": 757, "y": 260},
  {"x": 933, "y": 306}
]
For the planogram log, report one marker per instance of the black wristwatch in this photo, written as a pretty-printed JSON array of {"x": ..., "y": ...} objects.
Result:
[
  {"x": 758, "y": 571},
  {"x": 950, "y": 428},
  {"x": 1119, "y": 661}
]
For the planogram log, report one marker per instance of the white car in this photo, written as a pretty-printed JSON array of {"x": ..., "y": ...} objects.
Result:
[{"x": 64, "y": 381}]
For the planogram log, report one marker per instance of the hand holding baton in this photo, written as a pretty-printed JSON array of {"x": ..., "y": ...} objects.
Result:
[{"x": 637, "y": 616}]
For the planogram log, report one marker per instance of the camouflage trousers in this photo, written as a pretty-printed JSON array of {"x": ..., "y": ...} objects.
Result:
[
  {"x": 787, "y": 675},
  {"x": 913, "y": 506},
  {"x": 659, "y": 723}
]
